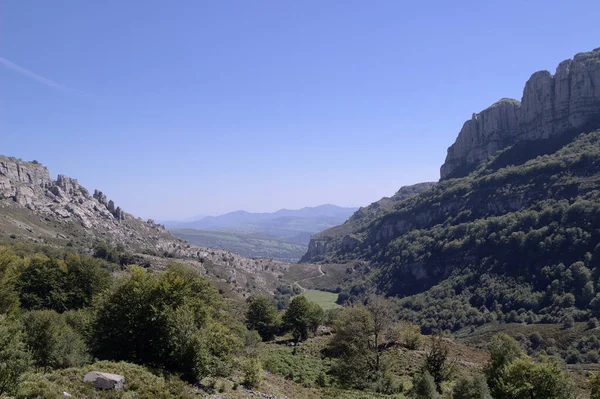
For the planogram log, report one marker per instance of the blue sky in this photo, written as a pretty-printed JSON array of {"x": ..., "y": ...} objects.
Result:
[{"x": 187, "y": 107}]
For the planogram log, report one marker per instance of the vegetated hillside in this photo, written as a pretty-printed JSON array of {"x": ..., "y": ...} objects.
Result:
[
  {"x": 246, "y": 243},
  {"x": 518, "y": 242},
  {"x": 335, "y": 237},
  {"x": 293, "y": 225}
]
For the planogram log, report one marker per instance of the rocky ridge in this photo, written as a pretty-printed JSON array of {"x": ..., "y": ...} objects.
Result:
[
  {"x": 551, "y": 105},
  {"x": 345, "y": 235},
  {"x": 38, "y": 209}
]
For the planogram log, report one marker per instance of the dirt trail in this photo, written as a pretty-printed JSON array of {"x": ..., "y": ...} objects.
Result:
[{"x": 297, "y": 282}]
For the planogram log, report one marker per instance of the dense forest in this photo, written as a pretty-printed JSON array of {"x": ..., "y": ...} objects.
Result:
[{"x": 515, "y": 240}]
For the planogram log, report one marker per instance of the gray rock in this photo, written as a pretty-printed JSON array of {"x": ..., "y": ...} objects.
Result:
[
  {"x": 102, "y": 380},
  {"x": 550, "y": 106}
]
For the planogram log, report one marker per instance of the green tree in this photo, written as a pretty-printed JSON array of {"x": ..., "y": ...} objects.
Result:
[
  {"x": 9, "y": 296},
  {"x": 353, "y": 344},
  {"x": 424, "y": 387},
  {"x": 174, "y": 320},
  {"x": 384, "y": 316},
  {"x": 14, "y": 357},
  {"x": 51, "y": 283},
  {"x": 263, "y": 317},
  {"x": 472, "y": 388},
  {"x": 436, "y": 362},
  {"x": 52, "y": 342},
  {"x": 316, "y": 317},
  {"x": 299, "y": 317},
  {"x": 525, "y": 379},
  {"x": 503, "y": 350}
]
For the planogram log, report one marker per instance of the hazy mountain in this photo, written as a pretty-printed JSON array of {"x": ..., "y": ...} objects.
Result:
[{"x": 293, "y": 225}]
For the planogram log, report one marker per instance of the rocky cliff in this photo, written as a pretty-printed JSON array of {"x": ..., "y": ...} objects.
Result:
[
  {"x": 343, "y": 236},
  {"x": 551, "y": 105},
  {"x": 35, "y": 208}
]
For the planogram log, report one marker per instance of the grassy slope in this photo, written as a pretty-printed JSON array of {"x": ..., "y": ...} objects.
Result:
[
  {"x": 324, "y": 299},
  {"x": 245, "y": 243}
]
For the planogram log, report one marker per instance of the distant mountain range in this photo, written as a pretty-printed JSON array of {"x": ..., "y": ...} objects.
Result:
[
  {"x": 293, "y": 225},
  {"x": 284, "y": 234}
]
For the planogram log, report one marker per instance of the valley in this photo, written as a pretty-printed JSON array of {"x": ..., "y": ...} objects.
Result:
[{"x": 484, "y": 284}]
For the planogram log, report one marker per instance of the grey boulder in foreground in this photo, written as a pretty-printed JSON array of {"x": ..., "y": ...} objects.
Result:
[{"x": 104, "y": 380}]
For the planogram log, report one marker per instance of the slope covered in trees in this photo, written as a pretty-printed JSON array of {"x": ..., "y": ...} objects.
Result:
[{"x": 515, "y": 235}]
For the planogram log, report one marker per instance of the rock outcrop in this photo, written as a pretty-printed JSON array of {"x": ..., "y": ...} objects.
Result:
[
  {"x": 29, "y": 185},
  {"x": 344, "y": 235},
  {"x": 551, "y": 105},
  {"x": 35, "y": 208},
  {"x": 101, "y": 380}
]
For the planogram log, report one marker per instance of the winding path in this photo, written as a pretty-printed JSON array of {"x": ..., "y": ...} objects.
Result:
[{"x": 297, "y": 282}]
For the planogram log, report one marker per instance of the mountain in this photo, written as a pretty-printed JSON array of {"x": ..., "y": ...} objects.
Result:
[
  {"x": 551, "y": 105},
  {"x": 515, "y": 238},
  {"x": 294, "y": 226},
  {"x": 37, "y": 209},
  {"x": 341, "y": 235}
]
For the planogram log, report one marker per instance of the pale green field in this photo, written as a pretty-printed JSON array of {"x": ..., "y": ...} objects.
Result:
[{"x": 324, "y": 299}]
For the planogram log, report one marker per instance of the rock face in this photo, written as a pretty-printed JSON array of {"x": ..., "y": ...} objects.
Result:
[
  {"x": 344, "y": 236},
  {"x": 29, "y": 185},
  {"x": 104, "y": 380},
  {"x": 551, "y": 105},
  {"x": 35, "y": 208}
]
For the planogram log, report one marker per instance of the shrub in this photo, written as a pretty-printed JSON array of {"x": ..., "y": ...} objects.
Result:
[{"x": 14, "y": 358}]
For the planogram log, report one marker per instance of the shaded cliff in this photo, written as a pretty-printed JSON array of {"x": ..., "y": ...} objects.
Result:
[
  {"x": 343, "y": 236},
  {"x": 551, "y": 105}
]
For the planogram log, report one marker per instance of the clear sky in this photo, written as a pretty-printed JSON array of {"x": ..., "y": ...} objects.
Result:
[{"x": 175, "y": 108}]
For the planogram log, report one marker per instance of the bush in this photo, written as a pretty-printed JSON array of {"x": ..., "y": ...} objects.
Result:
[
  {"x": 424, "y": 387},
  {"x": 53, "y": 343},
  {"x": 14, "y": 358},
  {"x": 252, "y": 369},
  {"x": 472, "y": 388}
]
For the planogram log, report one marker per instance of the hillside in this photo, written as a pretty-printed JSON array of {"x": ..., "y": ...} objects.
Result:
[
  {"x": 515, "y": 239},
  {"x": 246, "y": 243},
  {"x": 294, "y": 226},
  {"x": 336, "y": 236},
  {"x": 37, "y": 209}
]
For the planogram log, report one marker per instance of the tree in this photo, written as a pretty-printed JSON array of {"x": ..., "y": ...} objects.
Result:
[
  {"x": 472, "y": 388},
  {"x": 316, "y": 317},
  {"x": 14, "y": 358},
  {"x": 353, "y": 344},
  {"x": 525, "y": 379},
  {"x": 174, "y": 320},
  {"x": 50, "y": 283},
  {"x": 299, "y": 317},
  {"x": 503, "y": 350},
  {"x": 424, "y": 387},
  {"x": 436, "y": 362},
  {"x": 384, "y": 316},
  {"x": 263, "y": 317},
  {"x": 9, "y": 297},
  {"x": 595, "y": 384},
  {"x": 53, "y": 344}
]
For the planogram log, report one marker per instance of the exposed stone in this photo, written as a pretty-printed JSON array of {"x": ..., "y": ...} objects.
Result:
[
  {"x": 99, "y": 195},
  {"x": 551, "y": 105},
  {"x": 104, "y": 380}
]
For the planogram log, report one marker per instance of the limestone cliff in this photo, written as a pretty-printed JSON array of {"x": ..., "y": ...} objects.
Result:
[
  {"x": 35, "y": 208},
  {"x": 551, "y": 105},
  {"x": 344, "y": 235}
]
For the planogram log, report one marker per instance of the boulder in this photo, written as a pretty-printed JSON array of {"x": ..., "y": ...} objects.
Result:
[{"x": 102, "y": 380}]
